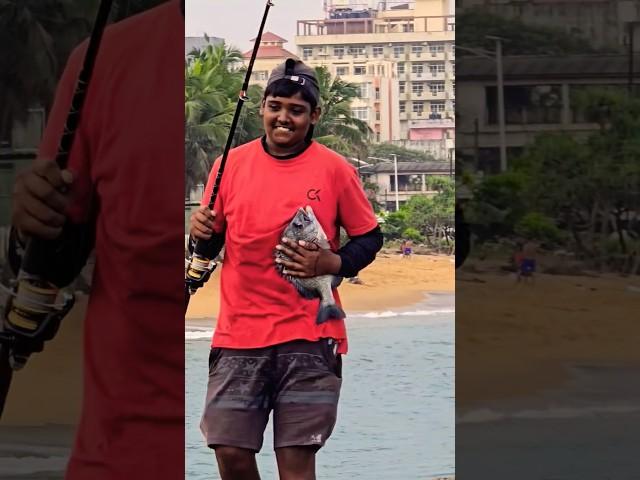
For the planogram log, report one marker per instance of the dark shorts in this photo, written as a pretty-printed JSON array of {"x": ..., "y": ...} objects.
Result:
[
  {"x": 527, "y": 267},
  {"x": 299, "y": 381}
]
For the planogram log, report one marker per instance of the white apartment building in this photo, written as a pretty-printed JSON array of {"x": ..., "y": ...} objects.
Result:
[{"x": 402, "y": 57}]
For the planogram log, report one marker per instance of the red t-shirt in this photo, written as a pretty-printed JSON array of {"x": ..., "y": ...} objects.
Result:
[
  {"x": 259, "y": 195},
  {"x": 129, "y": 150}
]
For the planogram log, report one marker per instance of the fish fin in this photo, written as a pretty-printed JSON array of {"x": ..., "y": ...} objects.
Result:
[
  {"x": 335, "y": 281},
  {"x": 302, "y": 290},
  {"x": 325, "y": 312}
]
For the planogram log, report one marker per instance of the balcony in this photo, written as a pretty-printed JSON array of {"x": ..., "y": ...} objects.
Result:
[
  {"x": 419, "y": 76},
  {"x": 435, "y": 56},
  {"x": 375, "y": 25},
  {"x": 420, "y": 95},
  {"x": 433, "y": 95},
  {"x": 435, "y": 75}
]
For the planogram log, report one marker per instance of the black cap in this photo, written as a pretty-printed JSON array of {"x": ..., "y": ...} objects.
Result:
[{"x": 296, "y": 71}]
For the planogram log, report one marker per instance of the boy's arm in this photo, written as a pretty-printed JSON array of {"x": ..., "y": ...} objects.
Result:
[{"x": 359, "y": 252}]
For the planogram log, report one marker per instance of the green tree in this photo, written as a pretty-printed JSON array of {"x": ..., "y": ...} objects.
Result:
[
  {"x": 212, "y": 83},
  {"x": 337, "y": 128}
]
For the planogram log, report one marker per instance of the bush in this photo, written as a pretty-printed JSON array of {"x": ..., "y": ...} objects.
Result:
[
  {"x": 537, "y": 226},
  {"x": 413, "y": 234}
]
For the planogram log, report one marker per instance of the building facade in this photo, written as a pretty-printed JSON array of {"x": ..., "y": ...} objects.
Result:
[
  {"x": 605, "y": 23},
  {"x": 271, "y": 53},
  {"x": 401, "y": 55},
  {"x": 540, "y": 97},
  {"x": 197, "y": 43},
  {"x": 412, "y": 180}
]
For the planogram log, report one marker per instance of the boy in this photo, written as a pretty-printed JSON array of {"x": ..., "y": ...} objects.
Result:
[{"x": 267, "y": 352}]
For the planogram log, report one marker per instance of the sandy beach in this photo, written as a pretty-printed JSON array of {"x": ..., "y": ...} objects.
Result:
[
  {"x": 390, "y": 282},
  {"x": 516, "y": 341}
]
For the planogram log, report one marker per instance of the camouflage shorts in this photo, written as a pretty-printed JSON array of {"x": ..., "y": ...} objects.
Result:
[{"x": 299, "y": 381}]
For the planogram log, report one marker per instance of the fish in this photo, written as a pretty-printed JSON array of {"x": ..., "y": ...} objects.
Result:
[{"x": 305, "y": 226}]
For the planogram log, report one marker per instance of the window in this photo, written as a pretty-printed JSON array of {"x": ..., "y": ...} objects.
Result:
[
  {"x": 436, "y": 67},
  {"x": 407, "y": 27},
  {"x": 361, "y": 113},
  {"x": 307, "y": 52},
  {"x": 436, "y": 87},
  {"x": 261, "y": 75},
  {"x": 378, "y": 115},
  {"x": 397, "y": 51},
  {"x": 417, "y": 69},
  {"x": 416, "y": 49},
  {"x": 400, "y": 67},
  {"x": 418, "y": 107},
  {"x": 526, "y": 104},
  {"x": 356, "y": 50},
  {"x": 377, "y": 93},
  {"x": 403, "y": 107},
  {"x": 436, "y": 48},
  {"x": 342, "y": 71},
  {"x": 436, "y": 107},
  {"x": 378, "y": 50},
  {"x": 417, "y": 88},
  {"x": 359, "y": 70},
  {"x": 363, "y": 90},
  {"x": 402, "y": 86},
  {"x": 338, "y": 52}
]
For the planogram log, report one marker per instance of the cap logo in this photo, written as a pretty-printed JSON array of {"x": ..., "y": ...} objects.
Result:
[{"x": 295, "y": 78}]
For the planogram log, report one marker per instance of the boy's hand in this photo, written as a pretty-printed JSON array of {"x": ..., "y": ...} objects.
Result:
[
  {"x": 201, "y": 223},
  {"x": 40, "y": 199},
  {"x": 307, "y": 259}
]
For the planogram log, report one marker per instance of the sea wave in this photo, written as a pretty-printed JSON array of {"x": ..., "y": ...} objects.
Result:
[
  {"x": 199, "y": 333},
  {"x": 486, "y": 415},
  {"x": 412, "y": 313}
]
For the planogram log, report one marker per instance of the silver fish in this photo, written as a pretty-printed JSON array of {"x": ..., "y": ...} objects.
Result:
[{"x": 305, "y": 226}]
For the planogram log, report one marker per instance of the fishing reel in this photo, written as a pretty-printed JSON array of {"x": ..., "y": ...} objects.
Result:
[
  {"x": 198, "y": 269},
  {"x": 31, "y": 317}
]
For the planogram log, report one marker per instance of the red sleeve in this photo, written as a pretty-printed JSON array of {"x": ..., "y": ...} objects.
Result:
[
  {"x": 80, "y": 155},
  {"x": 219, "y": 224},
  {"x": 355, "y": 213}
]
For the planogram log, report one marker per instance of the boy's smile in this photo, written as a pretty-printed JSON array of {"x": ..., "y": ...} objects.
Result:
[{"x": 286, "y": 123}]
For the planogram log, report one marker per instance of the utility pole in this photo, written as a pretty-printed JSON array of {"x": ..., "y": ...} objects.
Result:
[
  {"x": 395, "y": 172},
  {"x": 501, "y": 120}
]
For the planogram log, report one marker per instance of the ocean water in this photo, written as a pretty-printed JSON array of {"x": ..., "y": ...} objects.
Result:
[{"x": 396, "y": 414}]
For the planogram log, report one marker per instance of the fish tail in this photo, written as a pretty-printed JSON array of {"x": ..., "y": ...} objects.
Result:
[{"x": 325, "y": 312}]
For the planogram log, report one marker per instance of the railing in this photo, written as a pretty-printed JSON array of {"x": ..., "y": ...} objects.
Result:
[{"x": 344, "y": 26}]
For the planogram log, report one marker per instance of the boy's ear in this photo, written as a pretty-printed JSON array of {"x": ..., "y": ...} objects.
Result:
[
  {"x": 315, "y": 115},
  {"x": 261, "y": 111}
]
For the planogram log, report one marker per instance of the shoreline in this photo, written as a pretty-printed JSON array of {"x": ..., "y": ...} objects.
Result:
[
  {"x": 389, "y": 283},
  {"x": 526, "y": 344}
]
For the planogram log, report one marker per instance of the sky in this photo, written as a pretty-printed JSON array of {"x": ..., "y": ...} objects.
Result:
[{"x": 237, "y": 21}]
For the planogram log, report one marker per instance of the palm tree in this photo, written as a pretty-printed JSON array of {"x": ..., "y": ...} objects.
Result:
[
  {"x": 337, "y": 128},
  {"x": 212, "y": 84}
]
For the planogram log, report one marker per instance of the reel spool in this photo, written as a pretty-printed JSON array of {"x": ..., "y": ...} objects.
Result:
[
  {"x": 32, "y": 316},
  {"x": 198, "y": 270}
]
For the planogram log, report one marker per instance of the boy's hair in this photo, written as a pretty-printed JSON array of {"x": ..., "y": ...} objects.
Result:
[{"x": 287, "y": 89}]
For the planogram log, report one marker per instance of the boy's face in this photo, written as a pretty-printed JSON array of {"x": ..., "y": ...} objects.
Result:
[{"x": 287, "y": 120}]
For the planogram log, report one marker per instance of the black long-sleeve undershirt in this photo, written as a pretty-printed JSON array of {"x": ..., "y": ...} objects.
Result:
[{"x": 355, "y": 255}]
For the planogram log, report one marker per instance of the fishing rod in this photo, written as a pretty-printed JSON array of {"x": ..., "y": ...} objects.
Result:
[
  {"x": 36, "y": 304},
  {"x": 200, "y": 265}
]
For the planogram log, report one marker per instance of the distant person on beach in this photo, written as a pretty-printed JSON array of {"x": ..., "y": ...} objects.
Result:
[
  {"x": 267, "y": 353},
  {"x": 406, "y": 249},
  {"x": 526, "y": 262},
  {"x": 124, "y": 182}
]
